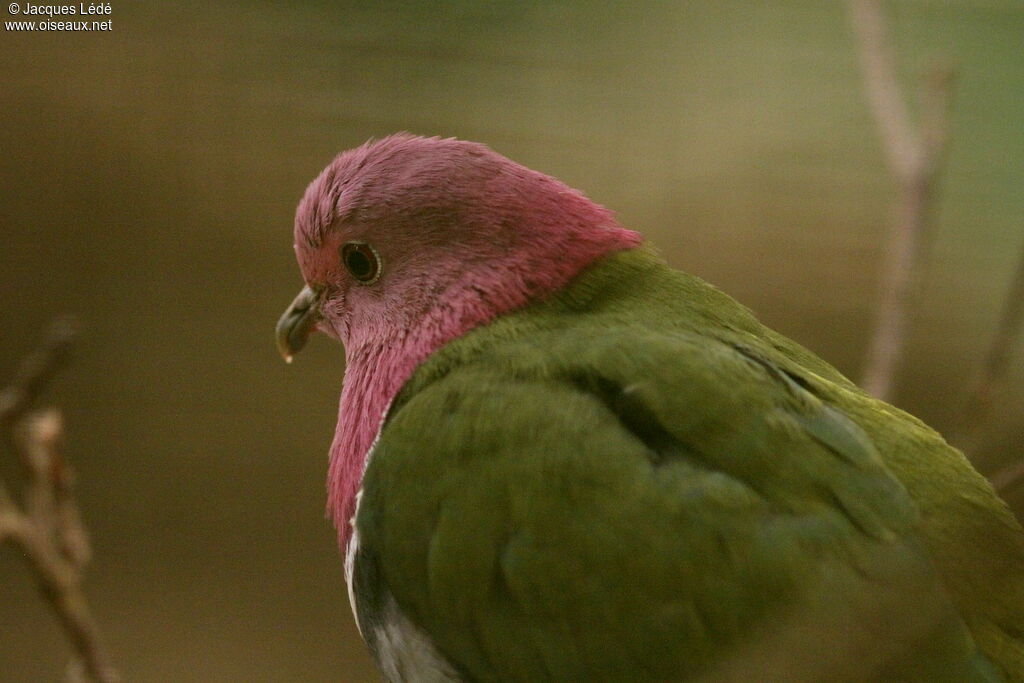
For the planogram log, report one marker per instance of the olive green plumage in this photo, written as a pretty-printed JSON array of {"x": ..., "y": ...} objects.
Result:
[{"x": 636, "y": 480}]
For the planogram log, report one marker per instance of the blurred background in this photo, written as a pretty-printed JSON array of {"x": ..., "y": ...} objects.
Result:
[{"x": 149, "y": 176}]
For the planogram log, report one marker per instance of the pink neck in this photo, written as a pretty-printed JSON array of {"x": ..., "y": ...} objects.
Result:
[{"x": 380, "y": 358}]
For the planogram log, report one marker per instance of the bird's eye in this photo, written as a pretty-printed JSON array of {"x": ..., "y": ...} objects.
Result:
[{"x": 362, "y": 261}]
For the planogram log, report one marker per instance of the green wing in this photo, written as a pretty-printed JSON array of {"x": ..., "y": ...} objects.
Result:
[{"x": 636, "y": 505}]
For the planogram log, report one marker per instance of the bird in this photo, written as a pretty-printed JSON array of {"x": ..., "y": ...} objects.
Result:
[{"x": 557, "y": 458}]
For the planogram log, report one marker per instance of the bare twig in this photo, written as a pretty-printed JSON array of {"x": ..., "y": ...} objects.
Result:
[
  {"x": 35, "y": 370},
  {"x": 878, "y": 64},
  {"x": 1006, "y": 337},
  {"x": 47, "y": 527},
  {"x": 1008, "y": 478},
  {"x": 8, "y": 520},
  {"x": 991, "y": 381},
  {"x": 5, "y": 502},
  {"x": 914, "y": 158}
]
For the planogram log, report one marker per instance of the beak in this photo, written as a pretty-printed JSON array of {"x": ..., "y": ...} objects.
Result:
[{"x": 297, "y": 322}]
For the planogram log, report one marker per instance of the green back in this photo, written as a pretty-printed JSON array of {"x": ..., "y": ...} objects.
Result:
[{"x": 634, "y": 479}]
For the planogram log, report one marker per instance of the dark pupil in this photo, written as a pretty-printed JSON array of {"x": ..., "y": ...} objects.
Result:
[{"x": 359, "y": 264}]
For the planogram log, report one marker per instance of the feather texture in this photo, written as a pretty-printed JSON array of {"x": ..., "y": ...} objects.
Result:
[{"x": 633, "y": 479}]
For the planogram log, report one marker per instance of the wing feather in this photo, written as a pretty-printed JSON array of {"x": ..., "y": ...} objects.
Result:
[{"x": 680, "y": 509}]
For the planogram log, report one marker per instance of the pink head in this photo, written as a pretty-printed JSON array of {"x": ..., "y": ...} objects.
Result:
[{"x": 408, "y": 242}]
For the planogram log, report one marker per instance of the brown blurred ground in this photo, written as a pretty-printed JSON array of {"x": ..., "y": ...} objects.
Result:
[{"x": 149, "y": 176}]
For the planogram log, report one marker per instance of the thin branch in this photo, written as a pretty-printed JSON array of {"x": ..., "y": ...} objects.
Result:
[
  {"x": 1008, "y": 478},
  {"x": 47, "y": 526},
  {"x": 35, "y": 370},
  {"x": 1007, "y": 336},
  {"x": 914, "y": 158},
  {"x": 882, "y": 88},
  {"x": 8, "y": 524},
  {"x": 6, "y": 502},
  {"x": 991, "y": 381},
  {"x": 8, "y": 513}
]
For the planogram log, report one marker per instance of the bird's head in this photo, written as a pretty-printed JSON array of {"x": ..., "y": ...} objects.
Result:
[
  {"x": 407, "y": 232},
  {"x": 406, "y": 243}
]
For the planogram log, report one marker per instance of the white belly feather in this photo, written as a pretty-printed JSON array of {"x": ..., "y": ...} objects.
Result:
[{"x": 403, "y": 651}]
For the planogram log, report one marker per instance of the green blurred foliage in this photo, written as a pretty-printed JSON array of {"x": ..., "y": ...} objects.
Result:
[{"x": 149, "y": 176}]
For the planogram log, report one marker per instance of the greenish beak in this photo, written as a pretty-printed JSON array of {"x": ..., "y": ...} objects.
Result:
[{"x": 297, "y": 322}]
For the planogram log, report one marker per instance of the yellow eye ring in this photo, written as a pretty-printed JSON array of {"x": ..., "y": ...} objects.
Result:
[{"x": 361, "y": 261}]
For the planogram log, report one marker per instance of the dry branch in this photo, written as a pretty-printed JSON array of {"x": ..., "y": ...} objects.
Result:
[
  {"x": 914, "y": 155},
  {"x": 992, "y": 379},
  {"x": 997, "y": 361},
  {"x": 47, "y": 527},
  {"x": 35, "y": 371}
]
